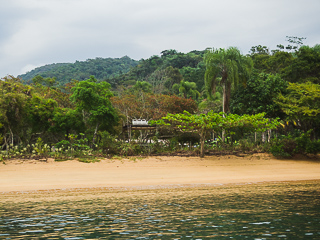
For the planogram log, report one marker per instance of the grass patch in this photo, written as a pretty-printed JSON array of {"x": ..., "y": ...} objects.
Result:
[
  {"x": 60, "y": 159},
  {"x": 89, "y": 160},
  {"x": 116, "y": 157},
  {"x": 135, "y": 159}
]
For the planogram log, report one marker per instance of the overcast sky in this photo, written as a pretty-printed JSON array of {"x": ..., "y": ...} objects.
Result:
[{"x": 38, "y": 32}]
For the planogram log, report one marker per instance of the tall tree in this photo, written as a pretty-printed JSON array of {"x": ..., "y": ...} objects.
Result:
[
  {"x": 92, "y": 99},
  {"x": 14, "y": 97},
  {"x": 258, "y": 95},
  {"x": 304, "y": 67},
  {"x": 302, "y": 105},
  {"x": 226, "y": 67}
]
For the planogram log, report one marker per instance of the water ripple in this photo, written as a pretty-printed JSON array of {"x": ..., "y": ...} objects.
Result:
[{"x": 231, "y": 212}]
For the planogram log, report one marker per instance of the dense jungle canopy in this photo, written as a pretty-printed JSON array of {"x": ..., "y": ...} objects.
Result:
[{"x": 95, "y": 98}]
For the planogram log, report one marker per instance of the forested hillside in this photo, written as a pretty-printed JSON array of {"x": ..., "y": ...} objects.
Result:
[
  {"x": 101, "y": 68},
  {"x": 267, "y": 100},
  {"x": 163, "y": 71}
]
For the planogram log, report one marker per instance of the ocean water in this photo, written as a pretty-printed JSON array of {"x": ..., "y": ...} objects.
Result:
[{"x": 251, "y": 211}]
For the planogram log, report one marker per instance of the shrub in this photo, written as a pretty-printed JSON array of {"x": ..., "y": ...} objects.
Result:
[
  {"x": 313, "y": 147},
  {"x": 280, "y": 148},
  {"x": 108, "y": 143},
  {"x": 287, "y": 146}
]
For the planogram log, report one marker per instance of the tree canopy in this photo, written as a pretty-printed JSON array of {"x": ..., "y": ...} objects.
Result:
[
  {"x": 204, "y": 124},
  {"x": 228, "y": 68},
  {"x": 94, "y": 98}
]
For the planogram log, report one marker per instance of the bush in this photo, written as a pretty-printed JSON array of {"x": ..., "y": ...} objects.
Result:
[
  {"x": 108, "y": 143},
  {"x": 287, "y": 146},
  {"x": 313, "y": 147},
  {"x": 302, "y": 142},
  {"x": 64, "y": 144}
]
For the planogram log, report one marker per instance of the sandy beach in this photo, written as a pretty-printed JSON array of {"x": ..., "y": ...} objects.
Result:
[{"x": 32, "y": 175}]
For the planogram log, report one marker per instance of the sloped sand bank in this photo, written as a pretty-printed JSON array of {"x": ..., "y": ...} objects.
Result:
[{"x": 153, "y": 172}]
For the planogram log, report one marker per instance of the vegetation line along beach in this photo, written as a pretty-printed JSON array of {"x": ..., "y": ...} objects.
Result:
[{"x": 202, "y": 103}]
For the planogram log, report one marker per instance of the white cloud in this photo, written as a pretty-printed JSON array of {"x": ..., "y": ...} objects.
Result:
[
  {"x": 48, "y": 31},
  {"x": 30, "y": 67}
]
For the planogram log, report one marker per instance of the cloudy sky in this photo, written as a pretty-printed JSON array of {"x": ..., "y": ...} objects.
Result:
[{"x": 38, "y": 32}]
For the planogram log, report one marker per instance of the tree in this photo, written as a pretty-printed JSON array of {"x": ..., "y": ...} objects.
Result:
[
  {"x": 258, "y": 95},
  {"x": 227, "y": 68},
  {"x": 142, "y": 87},
  {"x": 295, "y": 43},
  {"x": 186, "y": 89},
  {"x": 173, "y": 76},
  {"x": 196, "y": 75},
  {"x": 92, "y": 99},
  {"x": 203, "y": 124},
  {"x": 151, "y": 106},
  {"x": 101, "y": 68},
  {"x": 49, "y": 82},
  {"x": 66, "y": 121},
  {"x": 14, "y": 97},
  {"x": 304, "y": 67},
  {"x": 41, "y": 112},
  {"x": 302, "y": 104}
]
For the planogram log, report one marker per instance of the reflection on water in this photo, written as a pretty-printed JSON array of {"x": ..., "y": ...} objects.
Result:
[{"x": 257, "y": 211}]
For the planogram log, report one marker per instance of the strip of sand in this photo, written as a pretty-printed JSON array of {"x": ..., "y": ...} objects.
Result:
[{"x": 31, "y": 175}]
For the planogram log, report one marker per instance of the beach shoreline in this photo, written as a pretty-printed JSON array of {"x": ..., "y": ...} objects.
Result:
[{"x": 152, "y": 173}]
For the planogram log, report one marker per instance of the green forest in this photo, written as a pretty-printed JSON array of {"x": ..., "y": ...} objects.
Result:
[{"x": 214, "y": 101}]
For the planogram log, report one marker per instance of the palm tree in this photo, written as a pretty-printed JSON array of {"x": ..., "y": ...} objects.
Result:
[
  {"x": 227, "y": 68},
  {"x": 186, "y": 89}
]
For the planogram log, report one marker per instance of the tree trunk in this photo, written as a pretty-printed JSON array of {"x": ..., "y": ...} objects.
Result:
[
  {"x": 6, "y": 143},
  {"x": 224, "y": 99},
  {"x": 269, "y": 135},
  {"x": 95, "y": 134},
  {"x": 11, "y": 135},
  {"x": 263, "y": 136},
  {"x": 223, "y": 135},
  {"x": 202, "y": 138}
]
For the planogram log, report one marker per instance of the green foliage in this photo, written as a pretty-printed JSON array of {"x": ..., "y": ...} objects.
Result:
[
  {"x": 196, "y": 74},
  {"x": 204, "y": 124},
  {"x": 38, "y": 150},
  {"x": 154, "y": 87},
  {"x": 142, "y": 87},
  {"x": 283, "y": 148},
  {"x": 40, "y": 111},
  {"x": 306, "y": 145},
  {"x": 186, "y": 90},
  {"x": 227, "y": 68},
  {"x": 304, "y": 67},
  {"x": 162, "y": 72},
  {"x": 89, "y": 160},
  {"x": 258, "y": 95},
  {"x": 65, "y": 121},
  {"x": 108, "y": 143},
  {"x": 74, "y": 147},
  {"x": 92, "y": 99},
  {"x": 295, "y": 43},
  {"x": 1, "y": 138},
  {"x": 101, "y": 68},
  {"x": 302, "y": 101},
  {"x": 288, "y": 146},
  {"x": 49, "y": 82}
]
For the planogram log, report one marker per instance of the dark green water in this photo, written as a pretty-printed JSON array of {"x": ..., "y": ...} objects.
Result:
[{"x": 257, "y": 211}]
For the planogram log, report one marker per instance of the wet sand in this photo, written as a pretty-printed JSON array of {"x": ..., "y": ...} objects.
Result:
[{"x": 153, "y": 172}]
